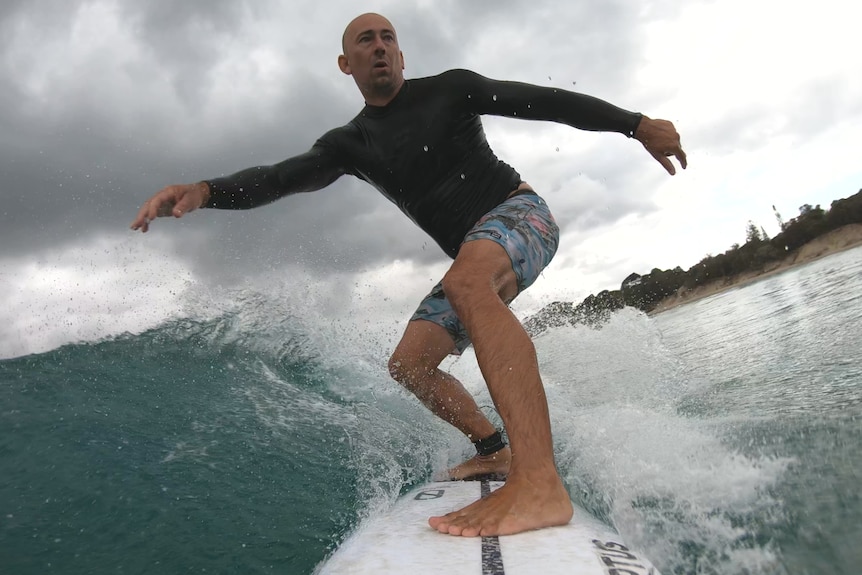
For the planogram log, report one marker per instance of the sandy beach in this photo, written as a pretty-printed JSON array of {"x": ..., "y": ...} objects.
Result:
[{"x": 843, "y": 238}]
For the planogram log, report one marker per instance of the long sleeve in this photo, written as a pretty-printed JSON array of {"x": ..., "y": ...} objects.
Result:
[
  {"x": 253, "y": 187},
  {"x": 531, "y": 102}
]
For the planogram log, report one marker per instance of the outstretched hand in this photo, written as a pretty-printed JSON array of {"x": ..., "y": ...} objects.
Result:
[
  {"x": 173, "y": 201},
  {"x": 661, "y": 140}
]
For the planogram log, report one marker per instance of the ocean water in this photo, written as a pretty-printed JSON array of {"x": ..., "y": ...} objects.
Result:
[{"x": 724, "y": 436}]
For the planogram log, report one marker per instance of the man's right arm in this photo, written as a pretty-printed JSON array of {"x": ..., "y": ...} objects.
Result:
[
  {"x": 262, "y": 185},
  {"x": 245, "y": 189}
]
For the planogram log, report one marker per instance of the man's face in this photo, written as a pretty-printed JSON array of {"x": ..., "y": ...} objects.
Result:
[{"x": 372, "y": 56}]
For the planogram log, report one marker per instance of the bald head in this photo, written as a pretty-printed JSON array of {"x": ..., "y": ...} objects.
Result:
[
  {"x": 363, "y": 22},
  {"x": 372, "y": 56}
]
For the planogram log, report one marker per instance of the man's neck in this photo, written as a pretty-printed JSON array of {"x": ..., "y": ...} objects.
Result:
[{"x": 381, "y": 98}]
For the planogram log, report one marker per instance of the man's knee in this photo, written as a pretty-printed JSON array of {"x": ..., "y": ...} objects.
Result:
[
  {"x": 483, "y": 269},
  {"x": 460, "y": 285},
  {"x": 397, "y": 368}
]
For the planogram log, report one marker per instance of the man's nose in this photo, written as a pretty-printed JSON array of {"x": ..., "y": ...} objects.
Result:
[{"x": 379, "y": 45}]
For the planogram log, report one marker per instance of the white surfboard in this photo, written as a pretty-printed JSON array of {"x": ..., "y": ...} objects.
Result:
[{"x": 401, "y": 542}]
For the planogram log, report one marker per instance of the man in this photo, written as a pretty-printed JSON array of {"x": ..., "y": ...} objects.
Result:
[{"x": 420, "y": 143}]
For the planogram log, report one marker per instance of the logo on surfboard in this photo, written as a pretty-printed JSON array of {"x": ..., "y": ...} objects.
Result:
[{"x": 619, "y": 559}]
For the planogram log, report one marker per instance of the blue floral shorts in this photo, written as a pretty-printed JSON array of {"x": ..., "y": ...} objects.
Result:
[{"x": 524, "y": 227}]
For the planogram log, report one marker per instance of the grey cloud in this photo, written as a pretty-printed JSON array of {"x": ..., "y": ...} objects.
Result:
[
  {"x": 586, "y": 43},
  {"x": 187, "y": 38},
  {"x": 81, "y": 157}
]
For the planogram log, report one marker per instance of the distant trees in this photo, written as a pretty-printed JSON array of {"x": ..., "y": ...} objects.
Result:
[
  {"x": 810, "y": 223},
  {"x": 645, "y": 292},
  {"x": 752, "y": 233},
  {"x": 781, "y": 223}
]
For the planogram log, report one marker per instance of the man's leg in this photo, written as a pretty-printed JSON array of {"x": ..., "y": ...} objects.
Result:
[
  {"x": 414, "y": 364},
  {"x": 477, "y": 285}
]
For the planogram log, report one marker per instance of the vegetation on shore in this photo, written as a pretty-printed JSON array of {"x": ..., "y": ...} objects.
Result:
[{"x": 645, "y": 292}]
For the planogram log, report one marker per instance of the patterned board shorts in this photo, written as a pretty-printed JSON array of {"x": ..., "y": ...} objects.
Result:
[{"x": 524, "y": 227}]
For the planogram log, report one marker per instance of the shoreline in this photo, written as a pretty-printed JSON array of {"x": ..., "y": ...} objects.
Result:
[{"x": 836, "y": 241}]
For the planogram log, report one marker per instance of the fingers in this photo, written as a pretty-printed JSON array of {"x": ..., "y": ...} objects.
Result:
[
  {"x": 682, "y": 158},
  {"x": 662, "y": 141},
  {"x": 664, "y": 160},
  {"x": 160, "y": 205},
  {"x": 184, "y": 205},
  {"x": 173, "y": 201},
  {"x": 141, "y": 221}
]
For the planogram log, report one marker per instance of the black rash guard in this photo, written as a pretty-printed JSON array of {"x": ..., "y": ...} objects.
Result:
[{"x": 426, "y": 151}]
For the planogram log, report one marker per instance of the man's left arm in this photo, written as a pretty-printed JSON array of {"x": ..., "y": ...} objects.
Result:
[{"x": 531, "y": 102}]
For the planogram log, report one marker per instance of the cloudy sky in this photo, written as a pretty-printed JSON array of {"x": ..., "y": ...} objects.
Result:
[{"x": 104, "y": 102}]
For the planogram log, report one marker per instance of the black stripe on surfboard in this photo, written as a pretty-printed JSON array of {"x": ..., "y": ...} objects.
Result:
[{"x": 492, "y": 556}]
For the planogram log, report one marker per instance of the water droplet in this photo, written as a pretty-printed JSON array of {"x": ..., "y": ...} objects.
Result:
[
  {"x": 425, "y": 148},
  {"x": 494, "y": 97},
  {"x": 463, "y": 176},
  {"x": 558, "y": 149}
]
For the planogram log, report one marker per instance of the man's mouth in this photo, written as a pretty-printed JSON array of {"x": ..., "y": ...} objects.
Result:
[{"x": 381, "y": 64}]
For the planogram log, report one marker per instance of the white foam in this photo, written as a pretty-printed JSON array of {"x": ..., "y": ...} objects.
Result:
[
  {"x": 85, "y": 292},
  {"x": 665, "y": 480}
]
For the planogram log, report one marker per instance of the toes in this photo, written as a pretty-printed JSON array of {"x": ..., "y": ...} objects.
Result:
[
  {"x": 436, "y": 522},
  {"x": 441, "y": 524},
  {"x": 452, "y": 524}
]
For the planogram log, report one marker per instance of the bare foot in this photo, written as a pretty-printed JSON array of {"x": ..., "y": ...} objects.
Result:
[
  {"x": 496, "y": 464},
  {"x": 515, "y": 507}
]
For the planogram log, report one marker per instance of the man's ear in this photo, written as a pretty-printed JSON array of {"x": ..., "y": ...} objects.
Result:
[
  {"x": 343, "y": 64},
  {"x": 402, "y": 59}
]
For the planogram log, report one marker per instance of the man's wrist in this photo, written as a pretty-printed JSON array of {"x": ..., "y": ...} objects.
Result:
[
  {"x": 635, "y": 125},
  {"x": 205, "y": 193},
  {"x": 641, "y": 126}
]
